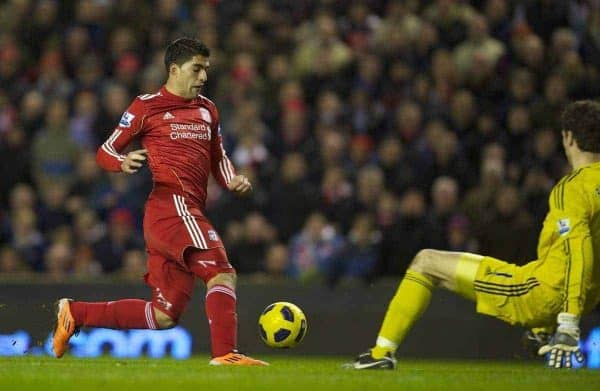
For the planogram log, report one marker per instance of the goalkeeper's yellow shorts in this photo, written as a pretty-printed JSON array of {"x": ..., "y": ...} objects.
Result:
[{"x": 513, "y": 293}]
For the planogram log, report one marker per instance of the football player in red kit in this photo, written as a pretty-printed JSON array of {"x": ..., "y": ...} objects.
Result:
[{"x": 180, "y": 135}]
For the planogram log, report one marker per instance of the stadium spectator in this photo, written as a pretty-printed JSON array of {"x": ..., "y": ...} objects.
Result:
[
  {"x": 370, "y": 184},
  {"x": 292, "y": 196},
  {"x": 398, "y": 169},
  {"x": 357, "y": 259},
  {"x": 134, "y": 265},
  {"x": 87, "y": 228},
  {"x": 333, "y": 150},
  {"x": 545, "y": 16},
  {"x": 479, "y": 50},
  {"x": 58, "y": 261},
  {"x": 277, "y": 261},
  {"x": 536, "y": 185},
  {"x": 361, "y": 152},
  {"x": 409, "y": 233},
  {"x": 54, "y": 153},
  {"x": 388, "y": 210},
  {"x": 446, "y": 159},
  {"x": 508, "y": 231},
  {"x": 248, "y": 253},
  {"x": 591, "y": 39},
  {"x": 52, "y": 212},
  {"x": 313, "y": 249},
  {"x": 444, "y": 205},
  {"x": 89, "y": 183},
  {"x": 83, "y": 126},
  {"x": 458, "y": 234},
  {"x": 15, "y": 162},
  {"x": 31, "y": 111},
  {"x": 12, "y": 264},
  {"x": 85, "y": 265},
  {"x": 26, "y": 238},
  {"x": 337, "y": 197},
  {"x": 492, "y": 175},
  {"x": 119, "y": 238},
  {"x": 321, "y": 53}
]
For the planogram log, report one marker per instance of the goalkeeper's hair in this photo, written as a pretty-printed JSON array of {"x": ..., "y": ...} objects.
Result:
[
  {"x": 583, "y": 119},
  {"x": 183, "y": 49}
]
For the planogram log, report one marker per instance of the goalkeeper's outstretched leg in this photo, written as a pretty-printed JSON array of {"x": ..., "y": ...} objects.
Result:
[{"x": 454, "y": 271}]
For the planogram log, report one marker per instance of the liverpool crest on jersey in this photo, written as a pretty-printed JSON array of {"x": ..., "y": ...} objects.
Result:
[
  {"x": 205, "y": 115},
  {"x": 212, "y": 235}
]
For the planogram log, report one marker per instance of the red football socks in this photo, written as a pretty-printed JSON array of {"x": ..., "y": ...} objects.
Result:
[
  {"x": 139, "y": 314},
  {"x": 222, "y": 319},
  {"x": 121, "y": 314}
]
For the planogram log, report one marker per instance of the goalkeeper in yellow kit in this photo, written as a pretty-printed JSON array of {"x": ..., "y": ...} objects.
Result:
[{"x": 551, "y": 293}]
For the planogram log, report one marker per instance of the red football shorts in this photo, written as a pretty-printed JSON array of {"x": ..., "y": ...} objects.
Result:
[
  {"x": 172, "y": 282},
  {"x": 181, "y": 246}
]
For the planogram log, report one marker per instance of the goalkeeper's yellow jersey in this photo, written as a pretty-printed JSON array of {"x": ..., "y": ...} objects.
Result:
[{"x": 569, "y": 244}]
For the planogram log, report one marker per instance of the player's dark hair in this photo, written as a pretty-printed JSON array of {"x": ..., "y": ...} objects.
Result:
[
  {"x": 182, "y": 50},
  {"x": 583, "y": 119}
]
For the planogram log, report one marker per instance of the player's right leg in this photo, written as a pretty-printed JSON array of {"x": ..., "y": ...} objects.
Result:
[
  {"x": 455, "y": 271},
  {"x": 212, "y": 266}
]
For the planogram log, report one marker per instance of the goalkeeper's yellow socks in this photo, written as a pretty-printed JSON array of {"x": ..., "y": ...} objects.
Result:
[{"x": 409, "y": 302}]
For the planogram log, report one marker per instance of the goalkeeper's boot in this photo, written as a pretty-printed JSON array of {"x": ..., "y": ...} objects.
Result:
[
  {"x": 367, "y": 361},
  {"x": 64, "y": 329},
  {"x": 235, "y": 358}
]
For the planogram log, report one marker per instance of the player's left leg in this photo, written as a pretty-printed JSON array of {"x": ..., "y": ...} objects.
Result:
[
  {"x": 454, "y": 271},
  {"x": 212, "y": 266},
  {"x": 120, "y": 314},
  {"x": 171, "y": 288}
]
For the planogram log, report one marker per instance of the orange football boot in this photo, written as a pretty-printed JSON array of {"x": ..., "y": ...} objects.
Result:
[
  {"x": 64, "y": 329},
  {"x": 235, "y": 358}
]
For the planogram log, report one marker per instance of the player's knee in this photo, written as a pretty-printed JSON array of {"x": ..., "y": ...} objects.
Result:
[
  {"x": 424, "y": 262},
  {"x": 164, "y": 321},
  {"x": 227, "y": 279}
]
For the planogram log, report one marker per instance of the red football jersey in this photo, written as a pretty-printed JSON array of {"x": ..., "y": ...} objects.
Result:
[{"x": 183, "y": 140}]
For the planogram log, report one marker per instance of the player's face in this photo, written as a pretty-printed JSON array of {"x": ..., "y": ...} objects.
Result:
[{"x": 192, "y": 76}]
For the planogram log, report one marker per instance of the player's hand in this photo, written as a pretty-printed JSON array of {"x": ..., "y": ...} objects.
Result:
[
  {"x": 133, "y": 161},
  {"x": 564, "y": 344},
  {"x": 239, "y": 184}
]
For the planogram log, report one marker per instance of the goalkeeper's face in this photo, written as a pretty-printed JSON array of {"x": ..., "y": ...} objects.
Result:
[{"x": 190, "y": 76}]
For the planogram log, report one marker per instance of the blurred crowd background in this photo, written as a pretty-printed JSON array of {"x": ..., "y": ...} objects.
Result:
[{"x": 370, "y": 129}]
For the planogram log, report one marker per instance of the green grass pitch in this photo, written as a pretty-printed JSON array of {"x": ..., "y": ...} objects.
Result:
[{"x": 285, "y": 373}]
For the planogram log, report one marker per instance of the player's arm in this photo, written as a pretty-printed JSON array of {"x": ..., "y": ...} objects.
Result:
[
  {"x": 575, "y": 243},
  {"x": 222, "y": 168},
  {"x": 109, "y": 155}
]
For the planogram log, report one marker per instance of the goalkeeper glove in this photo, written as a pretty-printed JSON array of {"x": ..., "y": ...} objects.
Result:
[{"x": 564, "y": 343}]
